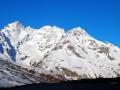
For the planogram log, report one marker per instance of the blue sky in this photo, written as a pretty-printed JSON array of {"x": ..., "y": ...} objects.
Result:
[{"x": 100, "y": 18}]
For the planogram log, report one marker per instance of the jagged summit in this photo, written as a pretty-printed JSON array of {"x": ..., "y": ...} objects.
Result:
[
  {"x": 78, "y": 29},
  {"x": 15, "y": 25}
]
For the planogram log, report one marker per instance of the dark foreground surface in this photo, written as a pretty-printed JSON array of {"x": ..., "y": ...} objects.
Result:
[{"x": 98, "y": 84}]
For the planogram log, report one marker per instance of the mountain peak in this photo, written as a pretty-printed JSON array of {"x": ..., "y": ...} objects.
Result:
[
  {"x": 15, "y": 25},
  {"x": 16, "y": 22},
  {"x": 79, "y": 30},
  {"x": 49, "y": 28}
]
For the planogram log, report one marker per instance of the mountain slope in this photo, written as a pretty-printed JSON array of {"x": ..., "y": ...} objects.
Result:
[
  {"x": 12, "y": 75},
  {"x": 68, "y": 55}
]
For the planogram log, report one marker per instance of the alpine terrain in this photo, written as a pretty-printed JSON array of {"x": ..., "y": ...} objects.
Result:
[{"x": 50, "y": 54}]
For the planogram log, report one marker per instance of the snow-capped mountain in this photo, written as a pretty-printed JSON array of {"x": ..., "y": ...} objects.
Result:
[{"x": 70, "y": 55}]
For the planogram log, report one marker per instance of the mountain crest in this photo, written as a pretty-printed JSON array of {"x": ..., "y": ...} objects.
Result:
[
  {"x": 49, "y": 28},
  {"x": 79, "y": 30},
  {"x": 15, "y": 25}
]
